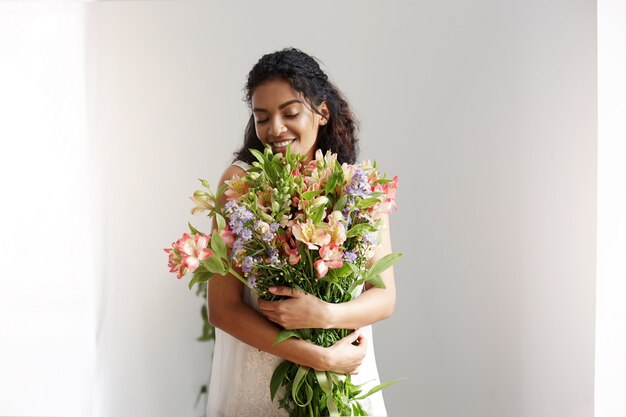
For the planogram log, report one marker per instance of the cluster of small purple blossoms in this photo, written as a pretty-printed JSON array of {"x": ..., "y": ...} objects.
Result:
[
  {"x": 349, "y": 256},
  {"x": 239, "y": 219},
  {"x": 359, "y": 187},
  {"x": 248, "y": 264},
  {"x": 274, "y": 258},
  {"x": 370, "y": 238},
  {"x": 252, "y": 281}
]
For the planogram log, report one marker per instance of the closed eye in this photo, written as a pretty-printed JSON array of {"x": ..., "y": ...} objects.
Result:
[{"x": 289, "y": 116}]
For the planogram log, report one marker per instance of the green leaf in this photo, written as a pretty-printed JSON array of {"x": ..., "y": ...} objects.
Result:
[
  {"x": 341, "y": 203},
  {"x": 383, "y": 264},
  {"x": 377, "y": 281},
  {"x": 360, "y": 229},
  {"x": 214, "y": 264},
  {"x": 278, "y": 376},
  {"x": 344, "y": 271},
  {"x": 218, "y": 245},
  {"x": 378, "y": 388},
  {"x": 325, "y": 383},
  {"x": 198, "y": 278},
  {"x": 367, "y": 202},
  {"x": 258, "y": 155},
  {"x": 221, "y": 223},
  {"x": 193, "y": 230},
  {"x": 317, "y": 213},
  {"x": 332, "y": 183},
  {"x": 310, "y": 194},
  {"x": 297, "y": 383},
  {"x": 284, "y": 335}
]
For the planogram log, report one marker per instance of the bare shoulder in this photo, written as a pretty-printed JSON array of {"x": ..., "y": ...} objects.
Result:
[{"x": 230, "y": 172}]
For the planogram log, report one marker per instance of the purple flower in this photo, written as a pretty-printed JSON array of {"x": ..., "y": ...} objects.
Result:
[
  {"x": 246, "y": 234},
  {"x": 252, "y": 281},
  {"x": 274, "y": 227},
  {"x": 370, "y": 239},
  {"x": 248, "y": 263},
  {"x": 349, "y": 256}
]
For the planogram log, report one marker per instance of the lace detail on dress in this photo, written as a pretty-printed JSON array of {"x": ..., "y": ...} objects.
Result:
[{"x": 253, "y": 381}]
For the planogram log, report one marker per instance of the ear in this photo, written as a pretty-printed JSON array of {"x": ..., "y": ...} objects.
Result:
[{"x": 323, "y": 108}]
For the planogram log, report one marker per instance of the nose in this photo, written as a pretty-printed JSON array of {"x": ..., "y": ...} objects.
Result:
[{"x": 276, "y": 127}]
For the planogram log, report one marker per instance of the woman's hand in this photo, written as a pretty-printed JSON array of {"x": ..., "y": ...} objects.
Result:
[
  {"x": 345, "y": 358},
  {"x": 300, "y": 311}
]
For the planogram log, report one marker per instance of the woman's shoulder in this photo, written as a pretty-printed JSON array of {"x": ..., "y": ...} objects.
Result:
[{"x": 236, "y": 168}]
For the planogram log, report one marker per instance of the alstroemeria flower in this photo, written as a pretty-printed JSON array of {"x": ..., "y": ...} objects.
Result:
[
  {"x": 236, "y": 188},
  {"x": 310, "y": 234},
  {"x": 389, "y": 201},
  {"x": 227, "y": 236},
  {"x": 193, "y": 250},
  {"x": 204, "y": 202},
  {"x": 336, "y": 228},
  {"x": 331, "y": 257},
  {"x": 175, "y": 261}
]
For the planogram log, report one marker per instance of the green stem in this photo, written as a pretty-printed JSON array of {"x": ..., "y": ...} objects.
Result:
[{"x": 237, "y": 275}]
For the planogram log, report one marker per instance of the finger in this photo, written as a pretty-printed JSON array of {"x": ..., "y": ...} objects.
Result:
[
  {"x": 363, "y": 342},
  {"x": 286, "y": 291},
  {"x": 351, "y": 337},
  {"x": 266, "y": 305}
]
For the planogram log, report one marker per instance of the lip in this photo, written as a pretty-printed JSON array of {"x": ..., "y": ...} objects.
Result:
[
  {"x": 282, "y": 140},
  {"x": 275, "y": 143}
]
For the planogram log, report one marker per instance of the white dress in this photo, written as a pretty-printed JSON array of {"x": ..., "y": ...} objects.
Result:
[{"x": 240, "y": 374}]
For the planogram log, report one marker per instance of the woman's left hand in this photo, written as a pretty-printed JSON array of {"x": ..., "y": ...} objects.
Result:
[{"x": 300, "y": 311}]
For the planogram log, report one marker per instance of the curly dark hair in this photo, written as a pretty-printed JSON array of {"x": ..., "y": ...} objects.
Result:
[{"x": 305, "y": 75}]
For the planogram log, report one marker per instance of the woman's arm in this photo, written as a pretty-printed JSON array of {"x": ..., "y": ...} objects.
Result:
[
  {"x": 307, "y": 311},
  {"x": 228, "y": 312}
]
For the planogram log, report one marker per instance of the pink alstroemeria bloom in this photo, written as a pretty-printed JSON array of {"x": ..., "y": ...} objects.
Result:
[
  {"x": 336, "y": 229},
  {"x": 310, "y": 234},
  {"x": 174, "y": 261},
  {"x": 236, "y": 188},
  {"x": 294, "y": 258},
  {"x": 321, "y": 268},
  {"x": 331, "y": 258},
  {"x": 227, "y": 236},
  {"x": 193, "y": 250},
  {"x": 389, "y": 202}
]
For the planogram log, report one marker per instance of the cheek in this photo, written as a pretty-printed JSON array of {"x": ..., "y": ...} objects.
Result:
[{"x": 260, "y": 133}]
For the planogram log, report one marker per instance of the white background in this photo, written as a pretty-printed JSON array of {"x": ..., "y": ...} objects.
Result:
[{"x": 486, "y": 111}]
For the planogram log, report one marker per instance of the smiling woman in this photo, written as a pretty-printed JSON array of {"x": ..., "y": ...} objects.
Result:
[
  {"x": 282, "y": 118},
  {"x": 292, "y": 104}
]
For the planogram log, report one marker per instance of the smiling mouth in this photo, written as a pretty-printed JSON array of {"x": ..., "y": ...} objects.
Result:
[{"x": 282, "y": 144}]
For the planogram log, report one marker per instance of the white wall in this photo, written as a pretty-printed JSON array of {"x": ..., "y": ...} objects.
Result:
[
  {"x": 49, "y": 231},
  {"x": 486, "y": 111},
  {"x": 610, "y": 377}
]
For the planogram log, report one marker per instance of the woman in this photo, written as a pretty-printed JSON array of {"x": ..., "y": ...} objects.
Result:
[{"x": 292, "y": 103}]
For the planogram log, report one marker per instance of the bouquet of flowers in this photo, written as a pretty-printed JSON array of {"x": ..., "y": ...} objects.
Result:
[{"x": 312, "y": 226}]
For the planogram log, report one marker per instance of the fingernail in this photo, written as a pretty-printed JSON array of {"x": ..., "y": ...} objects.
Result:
[{"x": 272, "y": 288}]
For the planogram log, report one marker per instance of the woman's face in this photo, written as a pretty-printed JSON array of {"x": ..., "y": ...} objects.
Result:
[{"x": 282, "y": 117}]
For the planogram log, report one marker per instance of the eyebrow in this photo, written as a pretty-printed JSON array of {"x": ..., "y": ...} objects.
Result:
[{"x": 282, "y": 106}]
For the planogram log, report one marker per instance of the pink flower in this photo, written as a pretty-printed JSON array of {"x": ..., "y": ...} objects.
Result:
[
  {"x": 336, "y": 229},
  {"x": 193, "y": 250},
  {"x": 331, "y": 257},
  {"x": 294, "y": 258},
  {"x": 310, "y": 234},
  {"x": 174, "y": 261},
  {"x": 227, "y": 236},
  {"x": 320, "y": 268},
  {"x": 389, "y": 201},
  {"x": 236, "y": 188}
]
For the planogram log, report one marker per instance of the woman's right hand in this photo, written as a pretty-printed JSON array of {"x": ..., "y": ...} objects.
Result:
[{"x": 345, "y": 358}]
